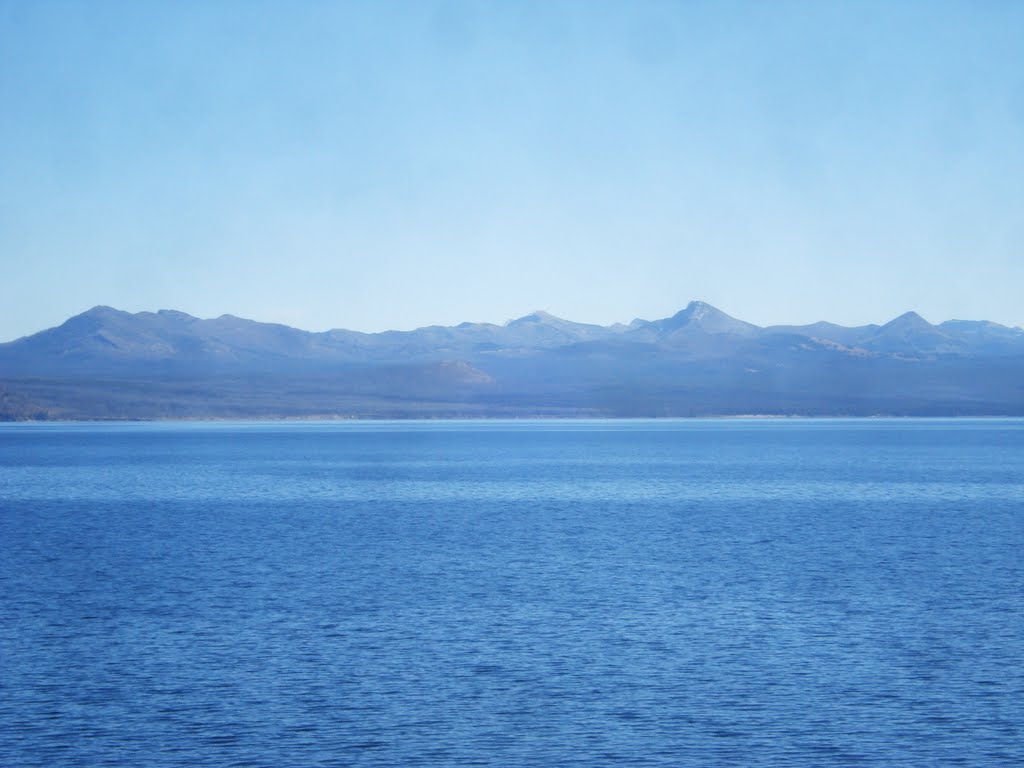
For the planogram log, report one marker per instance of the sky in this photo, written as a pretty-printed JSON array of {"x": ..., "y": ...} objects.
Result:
[{"x": 376, "y": 165}]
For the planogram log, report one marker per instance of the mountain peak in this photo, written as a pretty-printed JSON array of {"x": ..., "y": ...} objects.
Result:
[
  {"x": 97, "y": 317},
  {"x": 102, "y": 310},
  {"x": 912, "y": 334},
  {"x": 911, "y": 315},
  {"x": 174, "y": 314},
  {"x": 699, "y": 315},
  {"x": 537, "y": 316},
  {"x": 699, "y": 310},
  {"x": 908, "y": 320}
]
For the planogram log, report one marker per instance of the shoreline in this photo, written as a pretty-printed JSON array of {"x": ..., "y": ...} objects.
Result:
[{"x": 506, "y": 419}]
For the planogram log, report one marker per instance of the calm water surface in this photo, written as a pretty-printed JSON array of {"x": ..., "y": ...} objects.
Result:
[{"x": 513, "y": 593}]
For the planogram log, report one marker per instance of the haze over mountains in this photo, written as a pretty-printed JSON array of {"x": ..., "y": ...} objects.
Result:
[{"x": 106, "y": 363}]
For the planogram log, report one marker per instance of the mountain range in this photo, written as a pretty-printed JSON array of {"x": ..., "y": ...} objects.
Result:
[{"x": 109, "y": 364}]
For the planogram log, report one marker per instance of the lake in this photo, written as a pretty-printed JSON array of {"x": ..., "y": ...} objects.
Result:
[{"x": 544, "y": 593}]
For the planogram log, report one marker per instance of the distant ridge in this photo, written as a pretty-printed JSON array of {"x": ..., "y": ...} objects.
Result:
[{"x": 106, "y": 363}]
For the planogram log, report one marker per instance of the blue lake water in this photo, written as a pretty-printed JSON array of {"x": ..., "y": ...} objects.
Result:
[{"x": 543, "y": 593}]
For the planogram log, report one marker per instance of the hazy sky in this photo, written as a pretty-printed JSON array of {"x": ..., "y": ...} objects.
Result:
[{"x": 382, "y": 165}]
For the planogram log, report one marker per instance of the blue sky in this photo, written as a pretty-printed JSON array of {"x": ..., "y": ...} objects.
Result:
[{"x": 388, "y": 165}]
